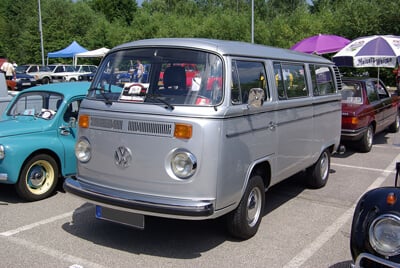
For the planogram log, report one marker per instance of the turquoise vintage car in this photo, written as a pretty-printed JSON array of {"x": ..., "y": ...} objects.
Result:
[{"x": 37, "y": 138}]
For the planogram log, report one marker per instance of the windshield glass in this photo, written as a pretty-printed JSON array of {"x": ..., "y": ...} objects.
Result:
[
  {"x": 40, "y": 104},
  {"x": 21, "y": 69},
  {"x": 160, "y": 75}
]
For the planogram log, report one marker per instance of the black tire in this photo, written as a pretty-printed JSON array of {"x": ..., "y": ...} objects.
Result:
[
  {"x": 394, "y": 127},
  {"x": 318, "y": 174},
  {"x": 45, "y": 81},
  {"x": 244, "y": 221},
  {"x": 38, "y": 178},
  {"x": 365, "y": 144}
]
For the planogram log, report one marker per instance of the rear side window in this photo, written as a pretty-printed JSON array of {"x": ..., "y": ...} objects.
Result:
[
  {"x": 322, "y": 79},
  {"x": 248, "y": 77},
  {"x": 371, "y": 92},
  {"x": 290, "y": 80}
]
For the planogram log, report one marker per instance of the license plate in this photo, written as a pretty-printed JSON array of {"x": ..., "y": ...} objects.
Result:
[
  {"x": 118, "y": 216},
  {"x": 26, "y": 84}
]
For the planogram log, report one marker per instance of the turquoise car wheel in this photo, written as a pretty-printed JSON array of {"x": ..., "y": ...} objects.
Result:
[{"x": 38, "y": 178}]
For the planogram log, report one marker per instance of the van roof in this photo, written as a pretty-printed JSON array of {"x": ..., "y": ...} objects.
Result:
[{"x": 225, "y": 47}]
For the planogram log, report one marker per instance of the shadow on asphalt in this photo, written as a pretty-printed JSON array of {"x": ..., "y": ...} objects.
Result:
[{"x": 182, "y": 239}]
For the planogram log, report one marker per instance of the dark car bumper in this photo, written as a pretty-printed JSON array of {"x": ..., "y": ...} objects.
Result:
[
  {"x": 352, "y": 134},
  {"x": 143, "y": 204}
]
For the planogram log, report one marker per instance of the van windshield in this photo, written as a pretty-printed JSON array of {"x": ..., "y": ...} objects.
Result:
[{"x": 159, "y": 75}]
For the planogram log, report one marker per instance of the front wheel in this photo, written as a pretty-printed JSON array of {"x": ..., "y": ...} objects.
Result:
[
  {"x": 38, "y": 178},
  {"x": 244, "y": 221},
  {"x": 318, "y": 174}
]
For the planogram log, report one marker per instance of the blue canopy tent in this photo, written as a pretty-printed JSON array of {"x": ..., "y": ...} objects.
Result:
[{"x": 68, "y": 52}]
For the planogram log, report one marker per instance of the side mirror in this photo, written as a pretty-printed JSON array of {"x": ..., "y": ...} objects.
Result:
[
  {"x": 72, "y": 122},
  {"x": 256, "y": 97}
]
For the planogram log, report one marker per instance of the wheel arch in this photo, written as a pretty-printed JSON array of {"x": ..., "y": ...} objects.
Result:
[
  {"x": 47, "y": 152},
  {"x": 261, "y": 168}
]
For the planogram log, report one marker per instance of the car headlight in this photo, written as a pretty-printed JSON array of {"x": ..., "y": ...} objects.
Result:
[
  {"x": 384, "y": 235},
  {"x": 183, "y": 164},
  {"x": 2, "y": 152},
  {"x": 83, "y": 151}
]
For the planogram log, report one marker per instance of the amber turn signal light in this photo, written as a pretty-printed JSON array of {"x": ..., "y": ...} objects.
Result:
[
  {"x": 391, "y": 199},
  {"x": 183, "y": 131},
  {"x": 84, "y": 121}
]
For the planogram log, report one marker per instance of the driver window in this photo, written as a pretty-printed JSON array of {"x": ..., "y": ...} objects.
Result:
[{"x": 72, "y": 110}]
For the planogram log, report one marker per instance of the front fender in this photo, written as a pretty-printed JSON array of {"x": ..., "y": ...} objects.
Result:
[
  {"x": 19, "y": 148},
  {"x": 370, "y": 206}
]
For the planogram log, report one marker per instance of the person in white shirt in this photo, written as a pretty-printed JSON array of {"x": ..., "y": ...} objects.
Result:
[{"x": 8, "y": 69}]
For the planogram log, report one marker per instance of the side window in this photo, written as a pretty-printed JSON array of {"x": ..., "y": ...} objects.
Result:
[
  {"x": 380, "y": 88},
  {"x": 279, "y": 81},
  {"x": 248, "y": 78},
  {"x": 72, "y": 110},
  {"x": 33, "y": 69},
  {"x": 371, "y": 92},
  {"x": 322, "y": 79},
  {"x": 290, "y": 80}
]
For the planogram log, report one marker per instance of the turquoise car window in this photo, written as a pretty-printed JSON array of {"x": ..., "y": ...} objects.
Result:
[{"x": 35, "y": 103}]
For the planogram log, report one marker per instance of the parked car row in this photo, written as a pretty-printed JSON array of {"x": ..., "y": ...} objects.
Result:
[{"x": 29, "y": 75}]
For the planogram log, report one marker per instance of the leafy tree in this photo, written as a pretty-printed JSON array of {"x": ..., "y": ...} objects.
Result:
[{"x": 113, "y": 10}]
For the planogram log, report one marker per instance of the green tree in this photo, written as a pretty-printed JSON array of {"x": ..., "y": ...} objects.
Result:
[{"x": 113, "y": 10}]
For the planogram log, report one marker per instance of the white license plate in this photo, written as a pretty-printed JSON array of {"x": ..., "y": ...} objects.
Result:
[
  {"x": 26, "y": 84},
  {"x": 118, "y": 216}
]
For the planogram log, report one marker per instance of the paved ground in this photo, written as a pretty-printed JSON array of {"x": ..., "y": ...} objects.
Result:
[{"x": 300, "y": 228}]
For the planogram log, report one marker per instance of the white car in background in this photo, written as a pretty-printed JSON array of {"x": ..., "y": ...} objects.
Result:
[
  {"x": 41, "y": 73},
  {"x": 69, "y": 73}
]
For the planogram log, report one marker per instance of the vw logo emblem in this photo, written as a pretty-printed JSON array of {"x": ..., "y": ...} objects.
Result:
[{"x": 123, "y": 157}]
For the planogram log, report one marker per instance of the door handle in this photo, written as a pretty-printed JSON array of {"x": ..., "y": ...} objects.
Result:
[{"x": 272, "y": 125}]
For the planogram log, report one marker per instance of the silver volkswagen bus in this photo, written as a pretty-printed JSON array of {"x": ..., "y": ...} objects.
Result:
[{"x": 197, "y": 129}]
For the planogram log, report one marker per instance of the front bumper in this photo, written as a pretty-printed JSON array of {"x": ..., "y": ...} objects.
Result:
[
  {"x": 141, "y": 204},
  {"x": 373, "y": 259}
]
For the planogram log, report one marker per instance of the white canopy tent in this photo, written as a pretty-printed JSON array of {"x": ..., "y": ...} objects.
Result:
[{"x": 97, "y": 53}]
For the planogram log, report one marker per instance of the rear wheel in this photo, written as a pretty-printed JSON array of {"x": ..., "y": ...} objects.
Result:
[
  {"x": 365, "y": 144},
  {"x": 394, "y": 127},
  {"x": 45, "y": 80},
  {"x": 318, "y": 174},
  {"x": 244, "y": 221},
  {"x": 38, "y": 178}
]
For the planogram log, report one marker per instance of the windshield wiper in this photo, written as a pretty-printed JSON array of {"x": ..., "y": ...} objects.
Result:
[
  {"x": 102, "y": 93},
  {"x": 157, "y": 98}
]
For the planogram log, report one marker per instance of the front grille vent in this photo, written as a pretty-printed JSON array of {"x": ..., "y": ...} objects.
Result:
[
  {"x": 163, "y": 129},
  {"x": 150, "y": 128},
  {"x": 112, "y": 124}
]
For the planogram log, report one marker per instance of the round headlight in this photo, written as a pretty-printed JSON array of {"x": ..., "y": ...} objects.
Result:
[
  {"x": 2, "y": 152},
  {"x": 83, "y": 151},
  {"x": 384, "y": 235},
  {"x": 183, "y": 164}
]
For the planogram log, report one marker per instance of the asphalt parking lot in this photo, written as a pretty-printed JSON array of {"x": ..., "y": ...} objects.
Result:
[{"x": 300, "y": 227}]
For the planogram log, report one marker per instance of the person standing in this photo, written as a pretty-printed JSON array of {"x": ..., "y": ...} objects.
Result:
[
  {"x": 140, "y": 71},
  {"x": 8, "y": 69}
]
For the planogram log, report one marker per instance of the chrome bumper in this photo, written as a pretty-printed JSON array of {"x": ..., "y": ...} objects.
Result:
[
  {"x": 374, "y": 259},
  {"x": 141, "y": 204}
]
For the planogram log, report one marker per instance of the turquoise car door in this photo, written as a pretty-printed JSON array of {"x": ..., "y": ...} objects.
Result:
[{"x": 67, "y": 136}]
